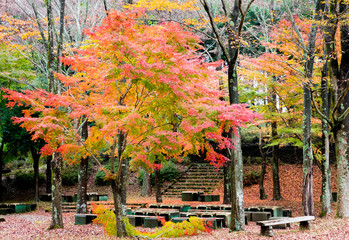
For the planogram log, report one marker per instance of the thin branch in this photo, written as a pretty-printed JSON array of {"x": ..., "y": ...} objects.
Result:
[
  {"x": 295, "y": 27},
  {"x": 319, "y": 112},
  {"x": 91, "y": 154},
  {"x": 340, "y": 99},
  {"x": 344, "y": 115},
  {"x": 215, "y": 29},
  {"x": 18, "y": 81},
  {"x": 41, "y": 29}
]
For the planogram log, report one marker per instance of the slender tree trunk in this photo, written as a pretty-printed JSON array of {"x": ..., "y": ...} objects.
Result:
[
  {"x": 124, "y": 181},
  {"x": 227, "y": 184},
  {"x": 330, "y": 70},
  {"x": 1, "y": 163},
  {"x": 275, "y": 158},
  {"x": 116, "y": 184},
  {"x": 48, "y": 174},
  {"x": 36, "y": 158},
  {"x": 326, "y": 195},
  {"x": 226, "y": 177},
  {"x": 342, "y": 172},
  {"x": 262, "y": 194},
  {"x": 82, "y": 188},
  {"x": 237, "y": 194},
  {"x": 146, "y": 185},
  {"x": 307, "y": 199},
  {"x": 57, "y": 219},
  {"x": 50, "y": 39},
  {"x": 343, "y": 133},
  {"x": 158, "y": 185},
  {"x": 83, "y": 175}
]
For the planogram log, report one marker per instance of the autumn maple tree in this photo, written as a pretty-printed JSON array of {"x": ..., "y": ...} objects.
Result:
[{"x": 133, "y": 84}]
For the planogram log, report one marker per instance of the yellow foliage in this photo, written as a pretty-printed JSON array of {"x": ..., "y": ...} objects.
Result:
[{"x": 165, "y": 5}]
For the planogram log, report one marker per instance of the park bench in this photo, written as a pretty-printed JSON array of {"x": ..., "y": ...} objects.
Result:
[
  {"x": 267, "y": 226},
  {"x": 83, "y": 219},
  {"x": 191, "y": 195},
  {"x": 209, "y": 198}
]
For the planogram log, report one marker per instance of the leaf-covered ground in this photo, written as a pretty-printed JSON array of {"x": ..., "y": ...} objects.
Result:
[{"x": 34, "y": 225}]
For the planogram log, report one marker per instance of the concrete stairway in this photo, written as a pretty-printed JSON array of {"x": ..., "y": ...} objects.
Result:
[{"x": 199, "y": 177}]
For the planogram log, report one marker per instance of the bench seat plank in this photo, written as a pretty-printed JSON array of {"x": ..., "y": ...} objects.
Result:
[{"x": 285, "y": 220}]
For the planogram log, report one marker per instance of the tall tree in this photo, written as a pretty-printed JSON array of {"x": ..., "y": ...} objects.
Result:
[
  {"x": 134, "y": 93},
  {"x": 235, "y": 16}
]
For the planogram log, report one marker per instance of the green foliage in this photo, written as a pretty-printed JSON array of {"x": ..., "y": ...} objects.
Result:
[
  {"x": 100, "y": 179},
  {"x": 70, "y": 175},
  {"x": 171, "y": 230},
  {"x": 25, "y": 179},
  {"x": 168, "y": 172},
  {"x": 251, "y": 178},
  {"x": 106, "y": 217},
  {"x": 14, "y": 65},
  {"x": 193, "y": 226}
]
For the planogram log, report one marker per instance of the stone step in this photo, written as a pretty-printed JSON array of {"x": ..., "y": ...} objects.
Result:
[
  {"x": 200, "y": 177},
  {"x": 196, "y": 181}
]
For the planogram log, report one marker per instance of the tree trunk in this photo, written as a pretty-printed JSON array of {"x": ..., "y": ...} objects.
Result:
[
  {"x": 50, "y": 55},
  {"x": 262, "y": 194},
  {"x": 275, "y": 162},
  {"x": 237, "y": 194},
  {"x": 343, "y": 136},
  {"x": 1, "y": 163},
  {"x": 116, "y": 184},
  {"x": 57, "y": 220},
  {"x": 81, "y": 206},
  {"x": 120, "y": 209},
  {"x": 124, "y": 181},
  {"x": 48, "y": 174},
  {"x": 342, "y": 172},
  {"x": 158, "y": 185},
  {"x": 146, "y": 185},
  {"x": 226, "y": 174},
  {"x": 36, "y": 158},
  {"x": 307, "y": 199},
  {"x": 326, "y": 195},
  {"x": 227, "y": 184}
]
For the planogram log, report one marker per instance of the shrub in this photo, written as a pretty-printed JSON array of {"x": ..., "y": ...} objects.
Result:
[
  {"x": 100, "y": 176},
  {"x": 70, "y": 175},
  {"x": 168, "y": 172},
  {"x": 251, "y": 178},
  {"x": 26, "y": 179},
  {"x": 193, "y": 226}
]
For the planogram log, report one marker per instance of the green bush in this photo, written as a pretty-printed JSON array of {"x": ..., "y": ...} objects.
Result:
[
  {"x": 70, "y": 175},
  {"x": 168, "y": 172},
  {"x": 100, "y": 176},
  {"x": 251, "y": 178},
  {"x": 26, "y": 179}
]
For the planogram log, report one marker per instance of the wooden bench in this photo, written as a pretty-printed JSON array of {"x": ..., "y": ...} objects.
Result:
[
  {"x": 267, "y": 226},
  {"x": 83, "y": 219}
]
